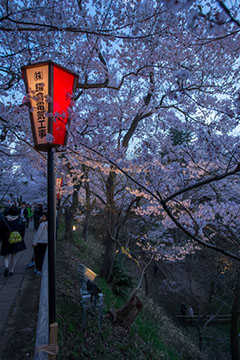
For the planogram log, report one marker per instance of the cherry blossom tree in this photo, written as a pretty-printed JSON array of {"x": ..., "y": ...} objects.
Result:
[
  {"x": 147, "y": 70},
  {"x": 169, "y": 67}
]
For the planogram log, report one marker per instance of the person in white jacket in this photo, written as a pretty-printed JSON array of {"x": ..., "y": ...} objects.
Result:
[{"x": 40, "y": 242}]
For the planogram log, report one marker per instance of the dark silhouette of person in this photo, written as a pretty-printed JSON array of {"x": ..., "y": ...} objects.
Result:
[{"x": 184, "y": 309}]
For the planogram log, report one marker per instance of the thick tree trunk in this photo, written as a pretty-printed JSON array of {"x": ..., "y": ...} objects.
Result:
[
  {"x": 68, "y": 224},
  {"x": 235, "y": 321},
  {"x": 127, "y": 314},
  {"x": 85, "y": 229},
  {"x": 87, "y": 206},
  {"x": 200, "y": 336},
  {"x": 108, "y": 258},
  {"x": 69, "y": 214},
  {"x": 109, "y": 240}
]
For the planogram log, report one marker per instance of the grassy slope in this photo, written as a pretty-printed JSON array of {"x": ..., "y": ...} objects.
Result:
[{"x": 152, "y": 335}]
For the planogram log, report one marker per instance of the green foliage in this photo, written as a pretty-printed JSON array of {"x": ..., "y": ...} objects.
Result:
[
  {"x": 122, "y": 281},
  {"x": 110, "y": 300},
  {"x": 61, "y": 228},
  {"x": 77, "y": 238}
]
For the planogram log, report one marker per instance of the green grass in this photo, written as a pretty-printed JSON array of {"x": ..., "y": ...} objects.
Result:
[
  {"x": 110, "y": 300},
  {"x": 144, "y": 327},
  {"x": 148, "y": 330}
]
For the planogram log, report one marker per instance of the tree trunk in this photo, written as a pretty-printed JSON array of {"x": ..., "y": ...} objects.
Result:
[
  {"x": 235, "y": 321},
  {"x": 70, "y": 212},
  {"x": 200, "y": 336},
  {"x": 108, "y": 258},
  {"x": 85, "y": 228},
  {"x": 87, "y": 205},
  {"x": 146, "y": 284},
  {"x": 127, "y": 314},
  {"x": 109, "y": 240},
  {"x": 68, "y": 224}
]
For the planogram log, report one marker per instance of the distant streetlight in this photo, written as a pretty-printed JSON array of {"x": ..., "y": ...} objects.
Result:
[{"x": 49, "y": 87}]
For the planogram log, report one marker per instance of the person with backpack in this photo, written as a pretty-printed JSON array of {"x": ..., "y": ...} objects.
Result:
[{"x": 12, "y": 230}]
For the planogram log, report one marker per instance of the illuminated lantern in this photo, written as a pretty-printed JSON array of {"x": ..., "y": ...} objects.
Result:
[{"x": 50, "y": 88}]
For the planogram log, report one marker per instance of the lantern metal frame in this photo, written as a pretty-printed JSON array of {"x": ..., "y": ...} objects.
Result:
[{"x": 51, "y": 65}]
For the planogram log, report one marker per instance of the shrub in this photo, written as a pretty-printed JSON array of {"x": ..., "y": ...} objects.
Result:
[{"x": 122, "y": 281}]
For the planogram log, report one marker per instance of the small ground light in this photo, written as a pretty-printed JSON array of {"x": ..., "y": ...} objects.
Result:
[{"x": 74, "y": 228}]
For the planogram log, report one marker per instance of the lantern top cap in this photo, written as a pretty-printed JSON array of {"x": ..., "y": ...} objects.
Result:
[{"x": 48, "y": 62}]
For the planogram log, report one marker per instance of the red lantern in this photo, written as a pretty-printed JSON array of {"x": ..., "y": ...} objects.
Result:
[{"x": 50, "y": 88}]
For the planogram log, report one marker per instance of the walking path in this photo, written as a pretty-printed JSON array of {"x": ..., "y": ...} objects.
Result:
[{"x": 9, "y": 286}]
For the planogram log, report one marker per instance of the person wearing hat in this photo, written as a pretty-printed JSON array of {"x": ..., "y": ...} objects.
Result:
[{"x": 12, "y": 223}]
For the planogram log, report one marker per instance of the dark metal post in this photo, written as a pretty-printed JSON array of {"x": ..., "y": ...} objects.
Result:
[{"x": 51, "y": 237}]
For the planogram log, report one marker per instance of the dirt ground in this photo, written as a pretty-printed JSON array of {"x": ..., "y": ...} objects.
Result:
[{"x": 18, "y": 340}]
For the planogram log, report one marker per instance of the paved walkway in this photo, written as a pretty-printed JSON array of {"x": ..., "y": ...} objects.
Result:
[{"x": 9, "y": 286}]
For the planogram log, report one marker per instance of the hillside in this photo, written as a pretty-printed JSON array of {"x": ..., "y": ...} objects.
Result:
[{"x": 152, "y": 335}]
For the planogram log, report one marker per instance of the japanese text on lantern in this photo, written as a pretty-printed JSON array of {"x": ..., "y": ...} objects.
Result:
[
  {"x": 38, "y": 86},
  {"x": 40, "y": 104}
]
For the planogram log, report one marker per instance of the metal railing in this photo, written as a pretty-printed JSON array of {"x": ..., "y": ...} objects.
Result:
[{"x": 42, "y": 333}]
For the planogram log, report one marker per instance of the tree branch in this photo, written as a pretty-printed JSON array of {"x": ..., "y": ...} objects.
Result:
[
  {"x": 195, "y": 238},
  {"x": 204, "y": 182},
  {"x": 166, "y": 208}
]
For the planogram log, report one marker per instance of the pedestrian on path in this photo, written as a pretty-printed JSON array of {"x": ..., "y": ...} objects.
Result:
[
  {"x": 11, "y": 223},
  {"x": 24, "y": 213},
  {"x": 37, "y": 213},
  {"x": 40, "y": 242},
  {"x": 29, "y": 214},
  {"x": 31, "y": 263}
]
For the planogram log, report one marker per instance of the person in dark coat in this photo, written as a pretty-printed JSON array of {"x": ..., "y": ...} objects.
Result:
[
  {"x": 11, "y": 222},
  {"x": 184, "y": 309},
  {"x": 37, "y": 214}
]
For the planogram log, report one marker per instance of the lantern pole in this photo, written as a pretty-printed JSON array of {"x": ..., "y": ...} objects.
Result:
[
  {"x": 51, "y": 237},
  {"x": 49, "y": 75}
]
